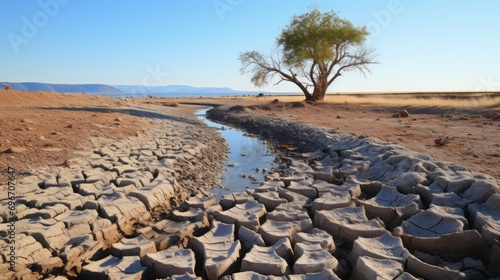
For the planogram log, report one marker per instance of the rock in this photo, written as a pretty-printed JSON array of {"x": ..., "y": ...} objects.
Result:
[
  {"x": 79, "y": 250},
  {"x": 370, "y": 268},
  {"x": 49, "y": 266},
  {"x": 480, "y": 191},
  {"x": 382, "y": 247},
  {"x": 99, "y": 269},
  {"x": 173, "y": 261},
  {"x": 391, "y": 206},
  {"x": 230, "y": 200},
  {"x": 137, "y": 246},
  {"x": 166, "y": 233},
  {"x": 348, "y": 223},
  {"x": 247, "y": 215},
  {"x": 221, "y": 259},
  {"x": 216, "y": 250},
  {"x": 311, "y": 258},
  {"x": 268, "y": 260},
  {"x": 270, "y": 200},
  {"x": 454, "y": 246},
  {"x": 288, "y": 212},
  {"x": 324, "y": 275},
  {"x": 422, "y": 269},
  {"x": 294, "y": 198},
  {"x": 403, "y": 114},
  {"x": 303, "y": 189},
  {"x": 201, "y": 203},
  {"x": 255, "y": 276},
  {"x": 428, "y": 224},
  {"x": 486, "y": 218},
  {"x": 273, "y": 231},
  {"x": 316, "y": 236},
  {"x": 249, "y": 238},
  {"x": 15, "y": 150},
  {"x": 112, "y": 268},
  {"x": 331, "y": 200}
]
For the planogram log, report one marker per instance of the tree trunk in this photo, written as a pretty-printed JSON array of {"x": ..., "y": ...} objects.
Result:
[
  {"x": 320, "y": 90},
  {"x": 307, "y": 95}
]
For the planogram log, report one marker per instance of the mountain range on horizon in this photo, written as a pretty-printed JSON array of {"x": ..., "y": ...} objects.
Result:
[{"x": 125, "y": 90}]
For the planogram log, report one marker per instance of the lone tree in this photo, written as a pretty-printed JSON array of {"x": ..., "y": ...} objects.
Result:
[{"x": 313, "y": 51}]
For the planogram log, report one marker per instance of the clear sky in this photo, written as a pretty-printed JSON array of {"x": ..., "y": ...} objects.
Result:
[{"x": 423, "y": 45}]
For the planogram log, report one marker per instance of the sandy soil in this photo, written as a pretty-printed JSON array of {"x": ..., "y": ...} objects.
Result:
[
  {"x": 49, "y": 128},
  {"x": 46, "y": 128},
  {"x": 472, "y": 133}
]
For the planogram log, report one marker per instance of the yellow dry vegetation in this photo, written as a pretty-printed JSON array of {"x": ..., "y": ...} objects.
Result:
[{"x": 424, "y": 100}]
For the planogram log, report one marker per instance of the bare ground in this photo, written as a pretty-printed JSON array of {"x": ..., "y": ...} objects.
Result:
[
  {"x": 469, "y": 134},
  {"x": 51, "y": 127},
  {"x": 43, "y": 129}
]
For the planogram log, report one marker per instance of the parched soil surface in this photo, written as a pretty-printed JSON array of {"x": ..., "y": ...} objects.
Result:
[
  {"x": 470, "y": 135},
  {"x": 45, "y": 128}
]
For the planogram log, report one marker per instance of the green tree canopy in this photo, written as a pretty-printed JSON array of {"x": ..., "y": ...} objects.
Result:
[{"x": 313, "y": 51}]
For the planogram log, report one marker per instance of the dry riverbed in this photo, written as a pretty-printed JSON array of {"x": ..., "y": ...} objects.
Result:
[{"x": 138, "y": 206}]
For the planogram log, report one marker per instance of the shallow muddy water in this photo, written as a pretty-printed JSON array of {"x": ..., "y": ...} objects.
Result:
[{"x": 249, "y": 158}]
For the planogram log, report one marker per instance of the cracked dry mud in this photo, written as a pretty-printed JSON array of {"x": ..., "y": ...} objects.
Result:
[{"x": 336, "y": 207}]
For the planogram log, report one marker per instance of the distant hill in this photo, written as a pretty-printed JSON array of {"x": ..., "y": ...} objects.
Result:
[
  {"x": 179, "y": 89},
  {"x": 87, "y": 88},
  {"x": 132, "y": 90}
]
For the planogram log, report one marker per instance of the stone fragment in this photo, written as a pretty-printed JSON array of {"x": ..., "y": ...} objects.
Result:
[
  {"x": 78, "y": 251},
  {"x": 382, "y": 247},
  {"x": 294, "y": 198},
  {"x": 51, "y": 265},
  {"x": 371, "y": 268},
  {"x": 303, "y": 189},
  {"x": 270, "y": 200},
  {"x": 221, "y": 259},
  {"x": 189, "y": 215},
  {"x": 391, "y": 206},
  {"x": 248, "y": 215},
  {"x": 430, "y": 224},
  {"x": 422, "y": 269},
  {"x": 230, "y": 200},
  {"x": 99, "y": 269},
  {"x": 219, "y": 232},
  {"x": 249, "y": 238},
  {"x": 267, "y": 260},
  {"x": 480, "y": 191},
  {"x": 201, "y": 203},
  {"x": 323, "y": 275},
  {"x": 288, "y": 212},
  {"x": 312, "y": 258},
  {"x": 486, "y": 218},
  {"x": 172, "y": 261},
  {"x": 52, "y": 237},
  {"x": 270, "y": 186},
  {"x": 330, "y": 201},
  {"x": 273, "y": 231},
  {"x": 137, "y": 246},
  {"x": 348, "y": 223},
  {"x": 153, "y": 197},
  {"x": 80, "y": 217},
  {"x": 255, "y": 276},
  {"x": 166, "y": 233},
  {"x": 316, "y": 236}
]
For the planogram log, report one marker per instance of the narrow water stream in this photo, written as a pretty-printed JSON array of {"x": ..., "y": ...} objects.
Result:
[{"x": 248, "y": 162}]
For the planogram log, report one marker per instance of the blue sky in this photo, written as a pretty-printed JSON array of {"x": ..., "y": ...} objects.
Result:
[{"x": 423, "y": 45}]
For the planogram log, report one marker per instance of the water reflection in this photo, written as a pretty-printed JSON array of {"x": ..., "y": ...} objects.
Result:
[{"x": 248, "y": 157}]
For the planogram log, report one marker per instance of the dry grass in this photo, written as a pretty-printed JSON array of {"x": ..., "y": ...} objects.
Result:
[{"x": 486, "y": 101}]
